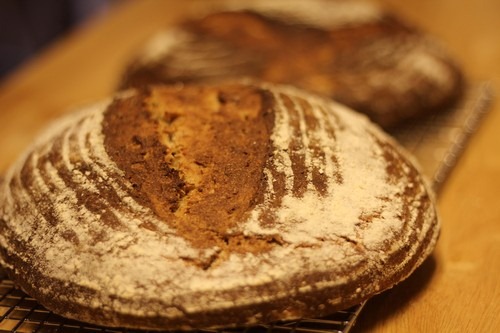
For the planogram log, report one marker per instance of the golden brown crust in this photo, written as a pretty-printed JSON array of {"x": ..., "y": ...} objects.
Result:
[{"x": 188, "y": 152}]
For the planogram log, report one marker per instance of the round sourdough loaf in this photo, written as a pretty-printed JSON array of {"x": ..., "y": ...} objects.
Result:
[
  {"x": 356, "y": 52},
  {"x": 179, "y": 207}
]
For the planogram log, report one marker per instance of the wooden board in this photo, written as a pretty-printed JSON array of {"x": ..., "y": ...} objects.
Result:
[{"x": 458, "y": 289}]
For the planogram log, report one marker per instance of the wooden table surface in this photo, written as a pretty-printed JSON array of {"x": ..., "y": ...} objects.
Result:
[{"x": 457, "y": 289}]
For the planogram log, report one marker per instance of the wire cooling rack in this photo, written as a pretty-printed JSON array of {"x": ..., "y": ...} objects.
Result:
[
  {"x": 21, "y": 313},
  {"x": 436, "y": 142}
]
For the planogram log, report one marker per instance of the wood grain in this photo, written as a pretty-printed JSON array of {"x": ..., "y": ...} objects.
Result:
[{"x": 458, "y": 289}]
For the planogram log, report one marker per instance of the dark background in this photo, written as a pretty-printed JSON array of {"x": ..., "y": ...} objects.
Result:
[{"x": 27, "y": 26}]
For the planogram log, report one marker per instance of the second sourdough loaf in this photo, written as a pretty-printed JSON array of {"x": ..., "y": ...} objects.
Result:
[{"x": 356, "y": 52}]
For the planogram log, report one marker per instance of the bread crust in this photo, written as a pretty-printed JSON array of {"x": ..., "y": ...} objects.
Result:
[
  {"x": 310, "y": 208},
  {"x": 355, "y": 52}
]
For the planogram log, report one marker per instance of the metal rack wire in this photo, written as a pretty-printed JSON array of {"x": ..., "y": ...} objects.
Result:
[
  {"x": 21, "y": 313},
  {"x": 438, "y": 140}
]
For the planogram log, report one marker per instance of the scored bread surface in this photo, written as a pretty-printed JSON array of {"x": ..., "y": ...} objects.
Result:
[
  {"x": 182, "y": 207},
  {"x": 356, "y": 52}
]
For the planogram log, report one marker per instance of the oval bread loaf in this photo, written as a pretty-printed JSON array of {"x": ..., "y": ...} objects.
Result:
[
  {"x": 356, "y": 52},
  {"x": 179, "y": 207}
]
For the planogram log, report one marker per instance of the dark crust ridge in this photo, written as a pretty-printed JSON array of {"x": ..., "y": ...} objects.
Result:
[{"x": 329, "y": 62}]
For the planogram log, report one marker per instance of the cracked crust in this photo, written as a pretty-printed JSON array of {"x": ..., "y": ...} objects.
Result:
[
  {"x": 353, "y": 51},
  {"x": 196, "y": 206}
]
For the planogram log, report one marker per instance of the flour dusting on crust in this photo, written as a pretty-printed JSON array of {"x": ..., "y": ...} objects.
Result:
[{"x": 355, "y": 220}]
